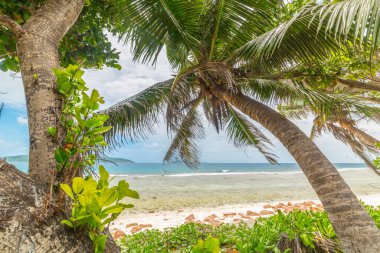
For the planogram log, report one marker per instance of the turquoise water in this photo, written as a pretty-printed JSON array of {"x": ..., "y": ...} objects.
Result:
[{"x": 144, "y": 169}]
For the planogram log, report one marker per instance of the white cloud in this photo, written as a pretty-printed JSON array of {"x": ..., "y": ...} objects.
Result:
[
  {"x": 13, "y": 90},
  {"x": 117, "y": 85},
  {"x": 22, "y": 120},
  {"x": 134, "y": 77},
  {"x": 152, "y": 145}
]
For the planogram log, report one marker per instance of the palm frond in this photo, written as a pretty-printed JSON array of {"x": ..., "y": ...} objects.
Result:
[
  {"x": 355, "y": 20},
  {"x": 183, "y": 94},
  {"x": 293, "y": 93},
  {"x": 215, "y": 111},
  {"x": 149, "y": 24},
  {"x": 358, "y": 147},
  {"x": 135, "y": 118},
  {"x": 294, "y": 110},
  {"x": 242, "y": 133},
  {"x": 227, "y": 24},
  {"x": 293, "y": 42},
  {"x": 183, "y": 147}
]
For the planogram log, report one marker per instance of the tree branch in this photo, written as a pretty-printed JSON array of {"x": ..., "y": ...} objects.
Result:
[
  {"x": 359, "y": 85},
  {"x": 11, "y": 25}
]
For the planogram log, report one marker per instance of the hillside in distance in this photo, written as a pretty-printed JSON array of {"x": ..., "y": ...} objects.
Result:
[{"x": 25, "y": 158}]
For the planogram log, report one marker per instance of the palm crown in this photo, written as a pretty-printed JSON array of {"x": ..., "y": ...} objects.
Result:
[{"x": 237, "y": 45}]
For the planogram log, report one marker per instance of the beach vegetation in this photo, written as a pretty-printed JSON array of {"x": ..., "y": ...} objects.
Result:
[
  {"x": 218, "y": 48},
  {"x": 74, "y": 38},
  {"x": 232, "y": 66},
  {"x": 297, "y": 231},
  {"x": 209, "y": 245},
  {"x": 94, "y": 205}
]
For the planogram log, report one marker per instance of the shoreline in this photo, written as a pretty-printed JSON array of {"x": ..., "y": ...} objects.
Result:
[
  {"x": 221, "y": 173},
  {"x": 130, "y": 223},
  {"x": 167, "y": 201},
  {"x": 167, "y": 193}
]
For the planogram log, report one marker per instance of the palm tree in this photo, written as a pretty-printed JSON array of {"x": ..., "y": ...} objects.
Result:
[
  {"x": 343, "y": 126},
  {"x": 224, "y": 52}
]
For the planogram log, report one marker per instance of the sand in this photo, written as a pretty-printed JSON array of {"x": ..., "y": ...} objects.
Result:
[{"x": 167, "y": 200}]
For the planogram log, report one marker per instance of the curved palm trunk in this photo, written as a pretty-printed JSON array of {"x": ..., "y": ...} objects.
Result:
[
  {"x": 353, "y": 225},
  {"x": 37, "y": 49}
]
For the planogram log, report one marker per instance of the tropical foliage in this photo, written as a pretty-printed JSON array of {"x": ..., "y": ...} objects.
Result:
[
  {"x": 86, "y": 44},
  {"x": 80, "y": 126},
  {"x": 94, "y": 205},
  {"x": 273, "y": 53},
  {"x": 306, "y": 231}
]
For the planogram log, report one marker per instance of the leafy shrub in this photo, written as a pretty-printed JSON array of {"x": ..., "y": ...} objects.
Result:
[
  {"x": 94, "y": 204},
  {"x": 210, "y": 245},
  {"x": 80, "y": 125}
]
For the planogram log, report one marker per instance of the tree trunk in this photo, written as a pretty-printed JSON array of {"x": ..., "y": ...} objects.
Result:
[
  {"x": 371, "y": 86},
  {"x": 21, "y": 228},
  {"x": 355, "y": 228},
  {"x": 37, "y": 49}
]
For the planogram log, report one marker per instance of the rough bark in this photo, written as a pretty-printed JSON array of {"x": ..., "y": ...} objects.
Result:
[
  {"x": 37, "y": 50},
  {"x": 21, "y": 228},
  {"x": 353, "y": 225},
  {"x": 21, "y": 196},
  {"x": 371, "y": 86}
]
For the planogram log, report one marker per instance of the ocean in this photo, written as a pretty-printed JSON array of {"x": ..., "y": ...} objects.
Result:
[{"x": 158, "y": 169}]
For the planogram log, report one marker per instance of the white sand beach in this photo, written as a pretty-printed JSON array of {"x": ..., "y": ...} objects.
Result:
[{"x": 168, "y": 201}]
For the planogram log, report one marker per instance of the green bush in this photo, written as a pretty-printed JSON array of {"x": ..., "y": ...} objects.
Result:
[
  {"x": 95, "y": 205},
  {"x": 309, "y": 231},
  {"x": 210, "y": 245}
]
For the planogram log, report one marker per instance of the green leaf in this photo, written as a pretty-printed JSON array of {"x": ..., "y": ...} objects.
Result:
[
  {"x": 90, "y": 185},
  {"x": 78, "y": 184},
  {"x": 124, "y": 191},
  {"x": 100, "y": 243},
  {"x": 60, "y": 155},
  {"x": 95, "y": 96},
  {"x": 104, "y": 175},
  {"x": 129, "y": 193},
  {"x": 52, "y": 131},
  {"x": 64, "y": 85},
  {"x": 96, "y": 220},
  {"x": 11, "y": 64},
  {"x": 2, "y": 66},
  {"x": 109, "y": 220},
  {"x": 78, "y": 75},
  {"x": 66, "y": 188},
  {"x": 212, "y": 245},
  {"x": 86, "y": 141},
  {"x": 109, "y": 196},
  {"x": 68, "y": 223},
  {"x": 71, "y": 69},
  {"x": 100, "y": 130},
  {"x": 118, "y": 208},
  {"x": 96, "y": 120}
]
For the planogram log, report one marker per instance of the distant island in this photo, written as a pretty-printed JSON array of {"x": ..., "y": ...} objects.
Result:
[
  {"x": 25, "y": 158},
  {"x": 118, "y": 160}
]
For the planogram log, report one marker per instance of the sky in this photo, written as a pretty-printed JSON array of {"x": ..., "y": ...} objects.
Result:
[{"x": 117, "y": 85}]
